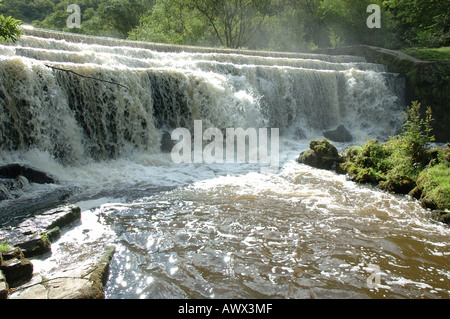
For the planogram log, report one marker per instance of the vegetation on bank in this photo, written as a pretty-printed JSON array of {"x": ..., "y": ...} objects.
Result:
[
  {"x": 406, "y": 164},
  {"x": 430, "y": 54},
  {"x": 9, "y": 28},
  {"x": 281, "y": 25}
]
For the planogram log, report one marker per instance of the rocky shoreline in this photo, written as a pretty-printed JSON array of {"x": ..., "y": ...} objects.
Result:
[
  {"x": 33, "y": 237},
  {"x": 324, "y": 155}
]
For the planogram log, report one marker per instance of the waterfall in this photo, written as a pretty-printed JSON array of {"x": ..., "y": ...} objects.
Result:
[{"x": 116, "y": 96}]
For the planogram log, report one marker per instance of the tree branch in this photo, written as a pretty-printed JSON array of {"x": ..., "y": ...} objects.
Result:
[{"x": 87, "y": 77}]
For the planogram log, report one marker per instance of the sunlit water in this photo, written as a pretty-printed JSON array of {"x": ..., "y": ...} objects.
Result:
[
  {"x": 215, "y": 230},
  {"x": 297, "y": 233}
]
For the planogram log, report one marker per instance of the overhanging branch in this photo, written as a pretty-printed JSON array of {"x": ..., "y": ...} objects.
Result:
[{"x": 86, "y": 76}]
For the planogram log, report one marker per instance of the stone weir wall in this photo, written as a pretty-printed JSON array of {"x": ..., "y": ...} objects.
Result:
[{"x": 426, "y": 81}]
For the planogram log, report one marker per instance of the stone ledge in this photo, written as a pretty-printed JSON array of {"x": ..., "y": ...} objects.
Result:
[
  {"x": 34, "y": 235},
  {"x": 80, "y": 282}
]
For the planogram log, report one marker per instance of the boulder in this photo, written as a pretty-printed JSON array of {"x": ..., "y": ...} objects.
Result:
[
  {"x": 322, "y": 154},
  {"x": 340, "y": 134},
  {"x": 33, "y": 175}
]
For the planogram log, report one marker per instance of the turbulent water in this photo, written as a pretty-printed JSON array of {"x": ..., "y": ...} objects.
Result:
[{"x": 94, "y": 112}]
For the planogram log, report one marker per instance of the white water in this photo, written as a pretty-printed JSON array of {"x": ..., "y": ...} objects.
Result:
[{"x": 216, "y": 230}]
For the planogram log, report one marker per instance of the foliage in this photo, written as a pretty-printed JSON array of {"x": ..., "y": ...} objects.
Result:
[
  {"x": 430, "y": 54},
  {"x": 396, "y": 164},
  {"x": 421, "y": 22},
  {"x": 282, "y": 25},
  {"x": 9, "y": 28},
  {"x": 434, "y": 184},
  {"x": 416, "y": 135},
  {"x": 347, "y": 23}
]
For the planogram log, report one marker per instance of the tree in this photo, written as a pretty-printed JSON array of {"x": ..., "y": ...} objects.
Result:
[
  {"x": 315, "y": 29},
  {"x": 234, "y": 22},
  {"x": 229, "y": 23},
  {"x": 347, "y": 23},
  {"x": 123, "y": 15},
  {"x": 421, "y": 22},
  {"x": 9, "y": 29},
  {"x": 172, "y": 21}
]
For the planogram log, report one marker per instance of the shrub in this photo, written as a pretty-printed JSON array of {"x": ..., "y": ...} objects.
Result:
[
  {"x": 416, "y": 135},
  {"x": 434, "y": 186}
]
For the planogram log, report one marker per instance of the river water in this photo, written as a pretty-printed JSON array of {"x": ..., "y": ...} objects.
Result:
[{"x": 217, "y": 230}]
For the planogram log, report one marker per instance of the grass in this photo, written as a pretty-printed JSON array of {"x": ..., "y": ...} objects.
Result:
[
  {"x": 430, "y": 54},
  {"x": 434, "y": 183},
  {"x": 4, "y": 246}
]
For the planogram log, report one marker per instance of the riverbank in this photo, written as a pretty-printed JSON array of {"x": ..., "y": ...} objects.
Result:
[{"x": 378, "y": 164}]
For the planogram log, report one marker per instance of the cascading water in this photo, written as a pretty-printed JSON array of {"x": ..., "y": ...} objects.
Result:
[{"x": 94, "y": 111}]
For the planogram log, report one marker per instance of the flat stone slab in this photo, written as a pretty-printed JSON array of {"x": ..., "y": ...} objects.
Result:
[
  {"x": 32, "y": 235},
  {"x": 81, "y": 281}
]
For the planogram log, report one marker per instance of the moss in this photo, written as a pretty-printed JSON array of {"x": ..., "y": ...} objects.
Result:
[
  {"x": 443, "y": 155},
  {"x": 322, "y": 154},
  {"x": 434, "y": 186},
  {"x": 4, "y": 246},
  {"x": 400, "y": 184},
  {"x": 430, "y": 54},
  {"x": 324, "y": 148}
]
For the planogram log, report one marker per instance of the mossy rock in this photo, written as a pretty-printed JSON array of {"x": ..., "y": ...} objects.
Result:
[
  {"x": 324, "y": 148},
  {"x": 322, "y": 154},
  {"x": 434, "y": 185},
  {"x": 401, "y": 184},
  {"x": 441, "y": 216}
]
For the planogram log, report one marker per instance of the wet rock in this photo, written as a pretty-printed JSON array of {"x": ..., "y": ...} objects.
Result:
[
  {"x": 28, "y": 203},
  {"x": 11, "y": 254},
  {"x": 34, "y": 245},
  {"x": 340, "y": 134},
  {"x": 34, "y": 235},
  {"x": 16, "y": 268},
  {"x": 84, "y": 281},
  {"x": 441, "y": 216},
  {"x": 17, "y": 271},
  {"x": 322, "y": 154},
  {"x": 13, "y": 171},
  {"x": 4, "y": 288}
]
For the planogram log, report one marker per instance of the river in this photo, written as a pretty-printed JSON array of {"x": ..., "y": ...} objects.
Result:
[{"x": 216, "y": 230}]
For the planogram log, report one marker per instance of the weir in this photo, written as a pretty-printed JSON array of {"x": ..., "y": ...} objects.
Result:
[
  {"x": 162, "y": 87},
  {"x": 98, "y": 114}
]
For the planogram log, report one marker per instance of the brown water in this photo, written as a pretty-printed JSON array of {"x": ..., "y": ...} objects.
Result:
[
  {"x": 216, "y": 231},
  {"x": 303, "y": 233}
]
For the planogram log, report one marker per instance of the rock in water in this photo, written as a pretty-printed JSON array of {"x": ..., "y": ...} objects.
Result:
[
  {"x": 340, "y": 134},
  {"x": 32, "y": 175},
  {"x": 322, "y": 154}
]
